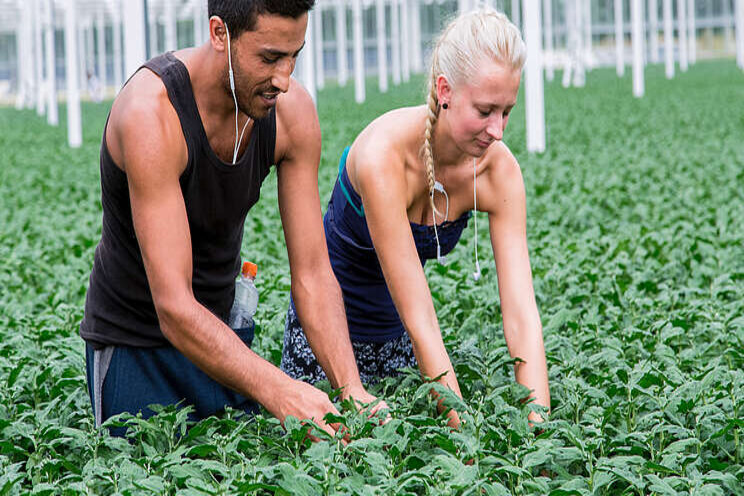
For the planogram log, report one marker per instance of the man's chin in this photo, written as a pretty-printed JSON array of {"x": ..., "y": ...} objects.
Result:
[
  {"x": 259, "y": 110},
  {"x": 255, "y": 112}
]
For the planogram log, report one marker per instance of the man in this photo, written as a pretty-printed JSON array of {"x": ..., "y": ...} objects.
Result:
[{"x": 177, "y": 183}]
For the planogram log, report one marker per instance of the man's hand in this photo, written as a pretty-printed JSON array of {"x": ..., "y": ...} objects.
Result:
[{"x": 305, "y": 402}]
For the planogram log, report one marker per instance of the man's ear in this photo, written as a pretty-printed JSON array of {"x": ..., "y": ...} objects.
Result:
[{"x": 218, "y": 33}]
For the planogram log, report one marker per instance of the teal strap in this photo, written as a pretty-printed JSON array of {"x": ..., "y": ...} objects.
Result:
[{"x": 341, "y": 165}]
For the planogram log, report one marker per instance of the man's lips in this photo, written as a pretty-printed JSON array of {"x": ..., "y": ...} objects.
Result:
[{"x": 269, "y": 97}]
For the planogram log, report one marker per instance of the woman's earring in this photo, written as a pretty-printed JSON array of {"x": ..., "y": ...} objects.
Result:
[{"x": 445, "y": 106}]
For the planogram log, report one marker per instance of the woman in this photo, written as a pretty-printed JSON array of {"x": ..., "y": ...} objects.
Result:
[{"x": 404, "y": 194}]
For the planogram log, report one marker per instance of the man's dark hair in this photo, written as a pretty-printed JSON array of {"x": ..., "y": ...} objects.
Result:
[{"x": 241, "y": 15}]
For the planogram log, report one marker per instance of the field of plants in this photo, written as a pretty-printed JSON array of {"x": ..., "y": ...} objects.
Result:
[{"x": 636, "y": 234}]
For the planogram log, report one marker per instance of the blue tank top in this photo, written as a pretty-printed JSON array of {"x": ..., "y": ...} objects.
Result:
[{"x": 370, "y": 310}]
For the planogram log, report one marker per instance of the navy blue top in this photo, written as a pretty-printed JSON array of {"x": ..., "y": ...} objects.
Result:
[{"x": 370, "y": 310}]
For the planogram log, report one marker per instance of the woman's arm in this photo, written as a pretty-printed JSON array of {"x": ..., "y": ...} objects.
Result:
[
  {"x": 505, "y": 203},
  {"x": 381, "y": 183}
]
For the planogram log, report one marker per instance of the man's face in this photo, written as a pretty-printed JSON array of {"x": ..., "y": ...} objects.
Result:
[{"x": 263, "y": 60}]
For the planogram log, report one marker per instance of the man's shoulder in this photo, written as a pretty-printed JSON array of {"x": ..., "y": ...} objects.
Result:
[
  {"x": 142, "y": 117},
  {"x": 143, "y": 97},
  {"x": 297, "y": 125},
  {"x": 296, "y": 106}
]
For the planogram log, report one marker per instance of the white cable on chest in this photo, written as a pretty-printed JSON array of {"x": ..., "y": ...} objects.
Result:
[
  {"x": 439, "y": 187},
  {"x": 238, "y": 141}
]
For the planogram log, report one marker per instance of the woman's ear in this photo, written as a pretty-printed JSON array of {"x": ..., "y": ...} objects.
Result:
[{"x": 444, "y": 90}]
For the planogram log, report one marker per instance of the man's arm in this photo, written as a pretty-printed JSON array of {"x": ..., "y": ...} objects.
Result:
[
  {"x": 315, "y": 290},
  {"x": 153, "y": 157}
]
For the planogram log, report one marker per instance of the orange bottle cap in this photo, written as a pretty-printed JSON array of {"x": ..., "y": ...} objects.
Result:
[{"x": 250, "y": 269}]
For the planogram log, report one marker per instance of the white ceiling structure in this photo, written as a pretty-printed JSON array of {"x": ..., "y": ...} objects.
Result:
[{"x": 558, "y": 33}]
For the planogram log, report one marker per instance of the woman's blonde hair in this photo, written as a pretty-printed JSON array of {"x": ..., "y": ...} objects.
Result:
[{"x": 461, "y": 50}]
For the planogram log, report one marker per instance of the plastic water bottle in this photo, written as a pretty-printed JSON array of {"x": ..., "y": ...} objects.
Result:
[{"x": 246, "y": 298}]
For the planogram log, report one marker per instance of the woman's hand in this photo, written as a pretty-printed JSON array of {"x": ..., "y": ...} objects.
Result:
[{"x": 366, "y": 402}]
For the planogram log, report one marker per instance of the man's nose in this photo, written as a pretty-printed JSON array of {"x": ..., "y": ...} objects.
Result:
[{"x": 280, "y": 78}]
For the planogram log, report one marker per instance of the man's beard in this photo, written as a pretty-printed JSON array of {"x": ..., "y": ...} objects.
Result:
[{"x": 247, "y": 101}]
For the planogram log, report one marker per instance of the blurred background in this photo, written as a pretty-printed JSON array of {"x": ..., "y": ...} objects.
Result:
[{"x": 55, "y": 51}]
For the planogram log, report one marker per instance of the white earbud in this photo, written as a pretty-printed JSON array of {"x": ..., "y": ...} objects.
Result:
[
  {"x": 438, "y": 187},
  {"x": 231, "y": 76}
]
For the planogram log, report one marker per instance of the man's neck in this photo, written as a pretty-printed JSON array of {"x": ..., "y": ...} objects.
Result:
[{"x": 206, "y": 72}]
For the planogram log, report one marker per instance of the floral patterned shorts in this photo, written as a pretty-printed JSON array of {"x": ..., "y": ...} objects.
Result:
[{"x": 374, "y": 360}]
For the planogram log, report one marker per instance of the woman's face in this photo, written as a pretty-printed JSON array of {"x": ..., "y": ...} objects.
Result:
[{"x": 478, "y": 109}]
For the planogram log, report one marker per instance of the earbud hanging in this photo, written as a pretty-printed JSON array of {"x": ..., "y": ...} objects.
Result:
[
  {"x": 438, "y": 187},
  {"x": 238, "y": 141},
  {"x": 477, "y": 273}
]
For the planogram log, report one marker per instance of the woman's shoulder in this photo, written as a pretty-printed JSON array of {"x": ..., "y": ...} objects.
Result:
[
  {"x": 393, "y": 128},
  {"x": 503, "y": 176},
  {"x": 385, "y": 144}
]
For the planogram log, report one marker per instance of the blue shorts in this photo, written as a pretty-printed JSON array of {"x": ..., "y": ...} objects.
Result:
[{"x": 133, "y": 378}]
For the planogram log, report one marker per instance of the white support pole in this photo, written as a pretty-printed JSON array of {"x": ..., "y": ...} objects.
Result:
[
  {"x": 22, "y": 57},
  {"x": 32, "y": 60},
  {"x": 317, "y": 17},
  {"x": 341, "y": 49},
  {"x": 516, "y": 18},
  {"x": 668, "y": 40},
  {"x": 709, "y": 29},
  {"x": 101, "y": 33},
  {"x": 20, "y": 66},
  {"x": 81, "y": 65},
  {"x": 28, "y": 34},
  {"x": 169, "y": 21},
  {"x": 739, "y": 20},
  {"x": 196, "y": 17},
  {"x": 38, "y": 53},
  {"x": 417, "y": 57},
  {"x": 637, "y": 39},
  {"x": 571, "y": 33},
  {"x": 356, "y": 15},
  {"x": 587, "y": 18},
  {"x": 579, "y": 76},
  {"x": 692, "y": 32},
  {"x": 308, "y": 59},
  {"x": 90, "y": 55},
  {"x": 535, "y": 98},
  {"x": 548, "y": 27},
  {"x": 682, "y": 34},
  {"x": 653, "y": 27},
  {"x": 619, "y": 39},
  {"x": 382, "y": 76},
  {"x": 727, "y": 32},
  {"x": 395, "y": 39},
  {"x": 405, "y": 44},
  {"x": 205, "y": 21},
  {"x": 116, "y": 31},
  {"x": 74, "y": 123},
  {"x": 134, "y": 36},
  {"x": 51, "y": 70},
  {"x": 152, "y": 39}
]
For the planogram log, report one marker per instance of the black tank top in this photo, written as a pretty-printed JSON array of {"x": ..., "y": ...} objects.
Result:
[{"x": 119, "y": 308}]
